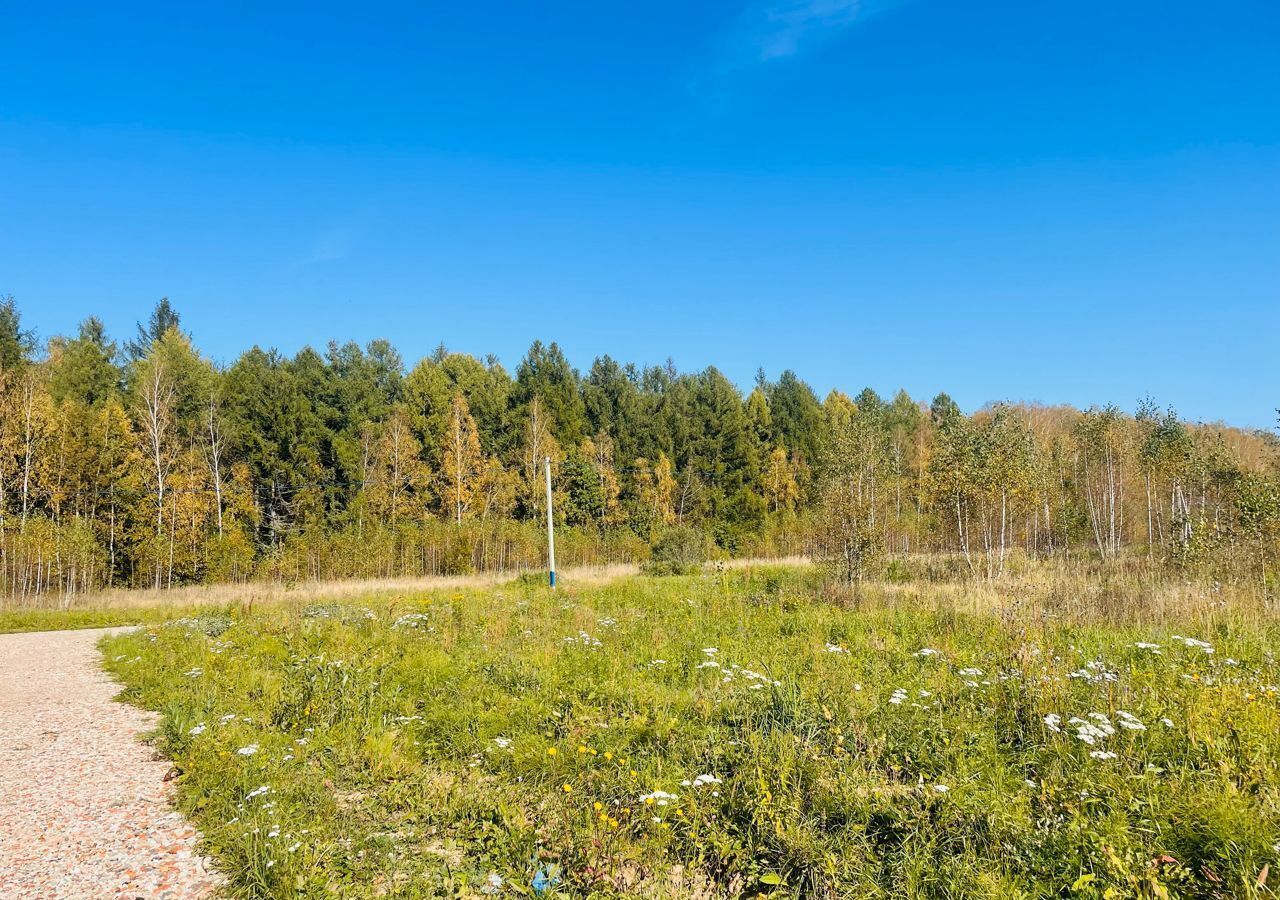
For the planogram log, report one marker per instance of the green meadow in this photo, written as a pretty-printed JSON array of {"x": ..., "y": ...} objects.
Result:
[{"x": 719, "y": 735}]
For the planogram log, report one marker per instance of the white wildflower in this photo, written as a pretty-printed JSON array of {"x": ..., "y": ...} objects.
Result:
[
  {"x": 1194, "y": 644},
  {"x": 413, "y": 620},
  {"x": 659, "y": 798},
  {"x": 1092, "y": 732},
  {"x": 1129, "y": 721},
  {"x": 1094, "y": 673}
]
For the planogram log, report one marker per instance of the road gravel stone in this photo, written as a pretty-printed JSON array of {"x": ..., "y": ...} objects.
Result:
[{"x": 85, "y": 811}]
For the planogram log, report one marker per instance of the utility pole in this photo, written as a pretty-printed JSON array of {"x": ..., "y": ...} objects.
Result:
[{"x": 551, "y": 529}]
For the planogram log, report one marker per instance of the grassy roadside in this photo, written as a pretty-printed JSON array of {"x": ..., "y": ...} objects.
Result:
[
  {"x": 20, "y": 620},
  {"x": 721, "y": 735}
]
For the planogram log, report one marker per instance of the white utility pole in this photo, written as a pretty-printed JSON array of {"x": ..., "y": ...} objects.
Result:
[{"x": 551, "y": 530}]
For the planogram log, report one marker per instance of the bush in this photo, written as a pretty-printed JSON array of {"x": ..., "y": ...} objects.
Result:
[
  {"x": 532, "y": 579},
  {"x": 678, "y": 551},
  {"x": 209, "y": 624},
  {"x": 458, "y": 557},
  {"x": 897, "y": 572}
]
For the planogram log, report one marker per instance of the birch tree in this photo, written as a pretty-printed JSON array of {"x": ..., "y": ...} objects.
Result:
[
  {"x": 1103, "y": 453},
  {"x": 537, "y": 447},
  {"x": 852, "y": 474},
  {"x": 781, "y": 490},
  {"x": 155, "y": 412},
  {"x": 461, "y": 460},
  {"x": 599, "y": 452},
  {"x": 400, "y": 478}
]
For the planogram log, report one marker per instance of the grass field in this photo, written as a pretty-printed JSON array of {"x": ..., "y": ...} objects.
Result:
[
  {"x": 135, "y": 606},
  {"x": 729, "y": 734}
]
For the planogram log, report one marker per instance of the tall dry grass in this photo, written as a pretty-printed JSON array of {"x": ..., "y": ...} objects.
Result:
[{"x": 1076, "y": 591}]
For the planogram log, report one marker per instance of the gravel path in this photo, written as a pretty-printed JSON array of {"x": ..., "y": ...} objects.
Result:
[{"x": 85, "y": 811}]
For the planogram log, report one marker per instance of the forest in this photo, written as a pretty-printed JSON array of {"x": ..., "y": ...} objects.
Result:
[{"x": 143, "y": 463}]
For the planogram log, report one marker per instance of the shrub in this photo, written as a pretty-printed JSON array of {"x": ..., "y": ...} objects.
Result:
[
  {"x": 209, "y": 624},
  {"x": 458, "y": 557},
  {"x": 897, "y": 572},
  {"x": 532, "y": 579},
  {"x": 678, "y": 551}
]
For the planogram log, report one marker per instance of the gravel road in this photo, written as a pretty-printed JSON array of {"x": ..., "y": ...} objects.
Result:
[{"x": 85, "y": 811}]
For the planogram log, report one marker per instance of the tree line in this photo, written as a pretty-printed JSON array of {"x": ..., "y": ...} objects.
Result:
[{"x": 143, "y": 463}]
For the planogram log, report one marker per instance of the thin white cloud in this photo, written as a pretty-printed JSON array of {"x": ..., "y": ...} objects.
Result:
[
  {"x": 331, "y": 245},
  {"x": 780, "y": 29}
]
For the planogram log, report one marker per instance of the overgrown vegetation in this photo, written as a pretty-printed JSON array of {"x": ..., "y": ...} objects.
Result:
[
  {"x": 1061, "y": 731},
  {"x": 15, "y": 620},
  {"x": 149, "y": 466},
  {"x": 679, "y": 551}
]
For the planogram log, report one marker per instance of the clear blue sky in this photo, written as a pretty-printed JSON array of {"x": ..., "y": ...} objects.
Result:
[{"x": 1062, "y": 202}]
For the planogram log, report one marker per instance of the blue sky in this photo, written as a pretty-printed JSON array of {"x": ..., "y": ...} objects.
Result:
[{"x": 1005, "y": 200}]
